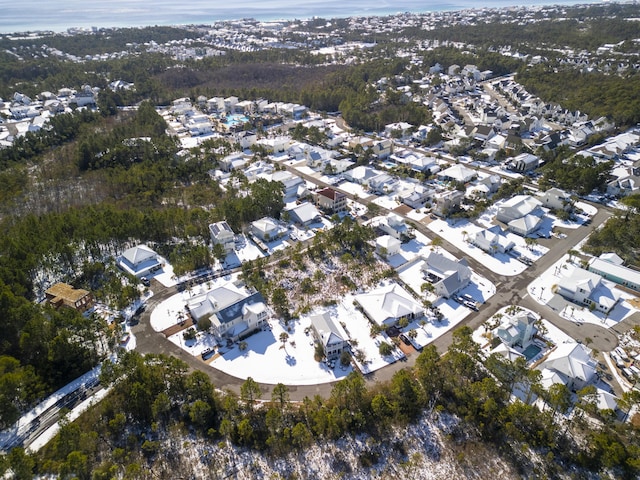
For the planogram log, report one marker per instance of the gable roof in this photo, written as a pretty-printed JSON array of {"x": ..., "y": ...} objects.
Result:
[{"x": 327, "y": 329}]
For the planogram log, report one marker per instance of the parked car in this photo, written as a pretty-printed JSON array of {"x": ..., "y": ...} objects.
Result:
[
  {"x": 145, "y": 281},
  {"x": 405, "y": 340},
  {"x": 616, "y": 358},
  {"x": 207, "y": 354},
  {"x": 621, "y": 353}
]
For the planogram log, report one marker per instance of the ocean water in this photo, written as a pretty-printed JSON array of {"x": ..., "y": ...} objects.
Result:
[{"x": 58, "y": 15}]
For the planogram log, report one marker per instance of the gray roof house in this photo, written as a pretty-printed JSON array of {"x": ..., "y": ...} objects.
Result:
[
  {"x": 329, "y": 334},
  {"x": 222, "y": 234},
  {"x": 233, "y": 311},
  {"x": 139, "y": 261},
  {"x": 447, "y": 276}
]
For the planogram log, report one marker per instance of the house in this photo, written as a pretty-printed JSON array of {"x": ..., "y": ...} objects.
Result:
[
  {"x": 615, "y": 272},
  {"x": 304, "y": 214},
  {"x": 573, "y": 362},
  {"x": 235, "y": 161},
  {"x": 222, "y": 234},
  {"x": 330, "y": 200},
  {"x": 587, "y": 288},
  {"x": 290, "y": 181},
  {"x": 330, "y": 335},
  {"x": 394, "y": 225},
  {"x": 518, "y": 329},
  {"x": 245, "y": 139},
  {"x": 382, "y": 148},
  {"x": 492, "y": 240},
  {"x": 361, "y": 174},
  {"x": 139, "y": 261},
  {"x": 556, "y": 199},
  {"x": 275, "y": 145},
  {"x": 232, "y": 310},
  {"x": 524, "y": 162},
  {"x": 387, "y": 245},
  {"x": 399, "y": 128},
  {"x": 521, "y": 213},
  {"x": 417, "y": 196},
  {"x": 382, "y": 183},
  {"x": 457, "y": 173},
  {"x": 444, "y": 203},
  {"x": 388, "y": 304},
  {"x": 447, "y": 276},
  {"x": 266, "y": 229},
  {"x": 65, "y": 295}
]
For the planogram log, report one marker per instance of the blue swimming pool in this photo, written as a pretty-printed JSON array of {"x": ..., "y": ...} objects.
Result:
[
  {"x": 235, "y": 119},
  {"x": 531, "y": 351}
]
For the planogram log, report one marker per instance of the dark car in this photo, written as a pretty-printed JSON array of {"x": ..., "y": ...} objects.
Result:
[
  {"x": 405, "y": 340},
  {"x": 208, "y": 353}
]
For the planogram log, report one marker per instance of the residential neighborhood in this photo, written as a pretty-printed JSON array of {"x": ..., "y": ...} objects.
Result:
[{"x": 369, "y": 227}]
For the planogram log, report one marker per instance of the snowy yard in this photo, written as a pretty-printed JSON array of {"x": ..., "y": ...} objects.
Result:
[
  {"x": 541, "y": 291},
  {"x": 502, "y": 263}
]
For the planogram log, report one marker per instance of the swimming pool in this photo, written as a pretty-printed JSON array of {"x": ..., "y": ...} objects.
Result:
[
  {"x": 235, "y": 119},
  {"x": 531, "y": 351}
]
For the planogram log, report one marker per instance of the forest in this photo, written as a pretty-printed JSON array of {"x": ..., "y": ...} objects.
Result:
[
  {"x": 77, "y": 194},
  {"x": 156, "y": 397}
]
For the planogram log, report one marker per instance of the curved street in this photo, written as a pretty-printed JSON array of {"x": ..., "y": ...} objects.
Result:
[{"x": 510, "y": 290}]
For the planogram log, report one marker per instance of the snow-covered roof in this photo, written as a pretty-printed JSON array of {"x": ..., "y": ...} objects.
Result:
[
  {"x": 572, "y": 360},
  {"x": 137, "y": 255},
  {"x": 388, "y": 303}
]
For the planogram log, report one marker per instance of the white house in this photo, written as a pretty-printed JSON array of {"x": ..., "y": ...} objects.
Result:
[
  {"x": 588, "y": 288},
  {"x": 522, "y": 214},
  {"x": 222, "y": 234},
  {"x": 232, "y": 310},
  {"x": 394, "y": 225},
  {"x": 329, "y": 334},
  {"x": 304, "y": 214},
  {"x": 446, "y": 275},
  {"x": 387, "y": 245},
  {"x": 139, "y": 261},
  {"x": 290, "y": 181},
  {"x": 492, "y": 240},
  {"x": 266, "y": 229},
  {"x": 457, "y": 173},
  {"x": 523, "y": 162},
  {"x": 573, "y": 362},
  {"x": 556, "y": 199},
  {"x": 388, "y": 304},
  {"x": 245, "y": 139},
  {"x": 518, "y": 329}
]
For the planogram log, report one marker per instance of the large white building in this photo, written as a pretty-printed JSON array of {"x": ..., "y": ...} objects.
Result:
[{"x": 232, "y": 310}]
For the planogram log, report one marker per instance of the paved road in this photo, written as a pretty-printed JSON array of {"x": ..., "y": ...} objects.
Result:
[{"x": 511, "y": 290}]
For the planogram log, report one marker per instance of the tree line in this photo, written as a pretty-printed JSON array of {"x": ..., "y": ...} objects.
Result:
[{"x": 152, "y": 395}]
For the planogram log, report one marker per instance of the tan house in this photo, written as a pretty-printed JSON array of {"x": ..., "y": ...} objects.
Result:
[
  {"x": 330, "y": 200},
  {"x": 62, "y": 294}
]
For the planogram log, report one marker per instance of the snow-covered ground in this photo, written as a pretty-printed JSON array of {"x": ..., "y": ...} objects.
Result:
[
  {"x": 542, "y": 292},
  {"x": 267, "y": 360},
  {"x": 457, "y": 233}
]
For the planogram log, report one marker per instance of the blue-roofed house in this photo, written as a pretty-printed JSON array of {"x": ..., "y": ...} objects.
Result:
[
  {"x": 233, "y": 311},
  {"x": 139, "y": 261}
]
